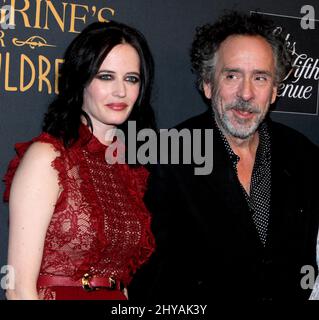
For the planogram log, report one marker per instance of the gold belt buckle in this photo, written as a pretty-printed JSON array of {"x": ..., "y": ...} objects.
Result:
[
  {"x": 86, "y": 285},
  {"x": 112, "y": 283},
  {"x": 86, "y": 282}
]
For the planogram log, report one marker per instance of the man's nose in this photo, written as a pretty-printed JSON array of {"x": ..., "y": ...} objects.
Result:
[{"x": 245, "y": 90}]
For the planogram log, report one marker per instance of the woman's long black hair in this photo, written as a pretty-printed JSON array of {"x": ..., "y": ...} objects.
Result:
[{"x": 82, "y": 61}]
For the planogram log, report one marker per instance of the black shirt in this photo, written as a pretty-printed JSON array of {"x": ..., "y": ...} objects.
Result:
[{"x": 260, "y": 187}]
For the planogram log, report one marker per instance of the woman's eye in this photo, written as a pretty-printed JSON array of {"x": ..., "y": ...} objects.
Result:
[
  {"x": 105, "y": 77},
  {"x": 133, "y": 79}
]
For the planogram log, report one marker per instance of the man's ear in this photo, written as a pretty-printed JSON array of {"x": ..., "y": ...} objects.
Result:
[
  {"x": 207, "y": 90},
  {"x": 274, "y": 94}
]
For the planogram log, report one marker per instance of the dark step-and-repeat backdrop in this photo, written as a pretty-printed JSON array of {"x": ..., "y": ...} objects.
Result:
[{"x": 35, "y": 33}]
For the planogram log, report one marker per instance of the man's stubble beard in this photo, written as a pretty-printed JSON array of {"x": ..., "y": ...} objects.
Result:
[{"x": 245, "y": 127}]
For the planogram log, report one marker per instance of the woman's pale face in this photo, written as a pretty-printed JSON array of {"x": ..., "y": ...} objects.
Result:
[{"x": 111, "y": 95}]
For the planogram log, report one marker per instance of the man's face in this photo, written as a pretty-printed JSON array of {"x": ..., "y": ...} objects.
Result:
[{"x": 244, "y": 84}]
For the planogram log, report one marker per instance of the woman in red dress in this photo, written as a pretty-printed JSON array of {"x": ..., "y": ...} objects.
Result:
[{"x": 78, "y": 225}]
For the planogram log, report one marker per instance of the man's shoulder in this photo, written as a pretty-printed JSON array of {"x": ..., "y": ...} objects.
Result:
[
  {"x": 288, "y": 138},
  {"x": 284, "y": 132},
  {"x": 201, "y": 121}
]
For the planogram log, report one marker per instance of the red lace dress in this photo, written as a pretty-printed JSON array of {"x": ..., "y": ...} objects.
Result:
[{"x": 100, "y": 225}]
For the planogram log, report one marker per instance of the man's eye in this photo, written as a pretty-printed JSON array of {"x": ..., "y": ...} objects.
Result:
[
  {"x": 133, "y": 79},
  {"x": 231, "y": 76},
  {"x": 261, "y": 78}
]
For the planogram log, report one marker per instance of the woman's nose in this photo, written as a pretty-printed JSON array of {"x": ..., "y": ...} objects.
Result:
[{"x": 119, "y": 89}]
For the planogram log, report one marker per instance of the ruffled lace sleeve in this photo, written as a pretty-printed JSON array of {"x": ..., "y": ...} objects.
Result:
[
  {"x": 139, "y": 176},
  {"x": 21, "y": 149}
]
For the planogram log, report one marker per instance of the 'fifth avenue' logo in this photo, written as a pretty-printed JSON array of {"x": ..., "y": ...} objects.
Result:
[{"x": 299, "y": 94}]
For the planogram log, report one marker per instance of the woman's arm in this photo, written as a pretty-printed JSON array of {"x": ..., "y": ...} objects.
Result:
[{"x": 33, "y": 195}]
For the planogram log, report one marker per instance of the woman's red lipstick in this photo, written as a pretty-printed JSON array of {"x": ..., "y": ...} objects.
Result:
[{"x": 117, "y": 106}]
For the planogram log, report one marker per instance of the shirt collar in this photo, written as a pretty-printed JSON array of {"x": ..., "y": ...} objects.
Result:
[{"x": 263, "y": 150}]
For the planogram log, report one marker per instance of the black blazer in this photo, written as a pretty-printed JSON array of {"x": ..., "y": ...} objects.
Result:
[{"x": 207, "y": 244}]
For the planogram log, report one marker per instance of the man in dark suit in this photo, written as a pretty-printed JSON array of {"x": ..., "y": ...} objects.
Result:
[{"x": 246, "y": 230}]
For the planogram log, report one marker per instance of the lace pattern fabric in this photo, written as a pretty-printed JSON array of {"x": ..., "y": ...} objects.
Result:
[{"x": 100, "y": 224}]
